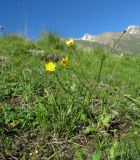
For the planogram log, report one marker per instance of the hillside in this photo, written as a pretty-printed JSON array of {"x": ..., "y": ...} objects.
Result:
[{"x": 59, "y": 102}]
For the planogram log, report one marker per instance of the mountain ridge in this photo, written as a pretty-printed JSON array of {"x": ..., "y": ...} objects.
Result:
[
  {"x": 129, "y": 43},
  {"x": 131, "y": 29}
]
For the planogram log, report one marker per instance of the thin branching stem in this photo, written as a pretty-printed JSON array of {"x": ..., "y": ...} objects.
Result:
[
  {"x": 116, "y": 43},
  {"x": 80, "y": 65},
  {"x": 100, "y": 70},
  {"x": 61, "y": 84}
]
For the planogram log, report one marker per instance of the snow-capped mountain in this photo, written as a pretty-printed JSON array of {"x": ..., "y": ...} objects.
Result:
[
  {"x": 133, "y": 29},
  {"x": 88, "y": 37},
  {"x": 130, "y": 42}
]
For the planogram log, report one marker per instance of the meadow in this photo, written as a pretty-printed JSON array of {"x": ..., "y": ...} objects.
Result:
[{"x": 84, "y": 106}]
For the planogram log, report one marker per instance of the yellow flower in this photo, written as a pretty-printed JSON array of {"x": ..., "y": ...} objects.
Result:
[
  {"x": 65, "y": 61},
  {"x": 50, "y": 67},
  {"x": 70, "y": 42}
]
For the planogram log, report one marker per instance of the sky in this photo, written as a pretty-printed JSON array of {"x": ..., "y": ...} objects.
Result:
[{"x": 68, "y": 18}]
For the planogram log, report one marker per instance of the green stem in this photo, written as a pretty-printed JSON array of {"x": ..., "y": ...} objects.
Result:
[
  {"x": 61, "y": 84},
  {"x": 116, "y": 64},
  {"x": 100, "y": 70},
  {"x": 116, "y": 43},
  {"x": 99, "y": 75},
  {"x": 111, "y": 76},
  {"x": 132, "y": 99},
  {"x": 80, "y": 64},
  {"x": 78, "y": 77}
]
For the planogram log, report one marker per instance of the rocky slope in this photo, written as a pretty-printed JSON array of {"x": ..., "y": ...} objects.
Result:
[{"x": 129, "y": 43}]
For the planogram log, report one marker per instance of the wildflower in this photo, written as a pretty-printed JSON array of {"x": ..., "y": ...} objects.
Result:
[
  {"x": 70, "y": 42},
  {"x": 50, "y": 67},
  {"x": 65, "y": 61},
  {"x": 54, "y": 57}
]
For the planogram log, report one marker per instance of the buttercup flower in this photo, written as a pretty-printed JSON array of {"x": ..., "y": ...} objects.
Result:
[
  {"x": 70, "y": 42},
  {"x": 50, "y": 67},
  {"x": 65, "y": 61}
]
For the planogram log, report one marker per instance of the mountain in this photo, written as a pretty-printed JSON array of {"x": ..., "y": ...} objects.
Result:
[
  {"x": 133, "y": 30},
  {"x": 88, "y": 37},
  {"x": 129, "y": 43}
]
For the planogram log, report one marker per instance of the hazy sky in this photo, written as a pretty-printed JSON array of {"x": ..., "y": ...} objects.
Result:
[{"x": 69, "y": 18}]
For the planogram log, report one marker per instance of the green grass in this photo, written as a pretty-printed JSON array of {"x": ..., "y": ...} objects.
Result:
[{"x": 70, "y": 113}]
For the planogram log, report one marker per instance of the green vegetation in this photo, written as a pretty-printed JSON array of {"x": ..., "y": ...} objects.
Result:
[{"x": 86, "y": 110}]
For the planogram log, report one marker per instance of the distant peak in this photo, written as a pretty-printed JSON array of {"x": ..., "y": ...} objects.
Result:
[
  {"x": 132, "y": 29},
  {"x": 131, "y": 26},
  {"x": 88, "y": 37}
]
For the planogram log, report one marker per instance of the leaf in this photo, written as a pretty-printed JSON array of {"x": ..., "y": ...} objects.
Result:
[
  {"x": 132, "y": 99},
  {"x": 88, "y": 130},
  {"x": 112, "y": 150},
  {"x": 97, "y": 155},
  {"x": 106, "y": 120}
]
